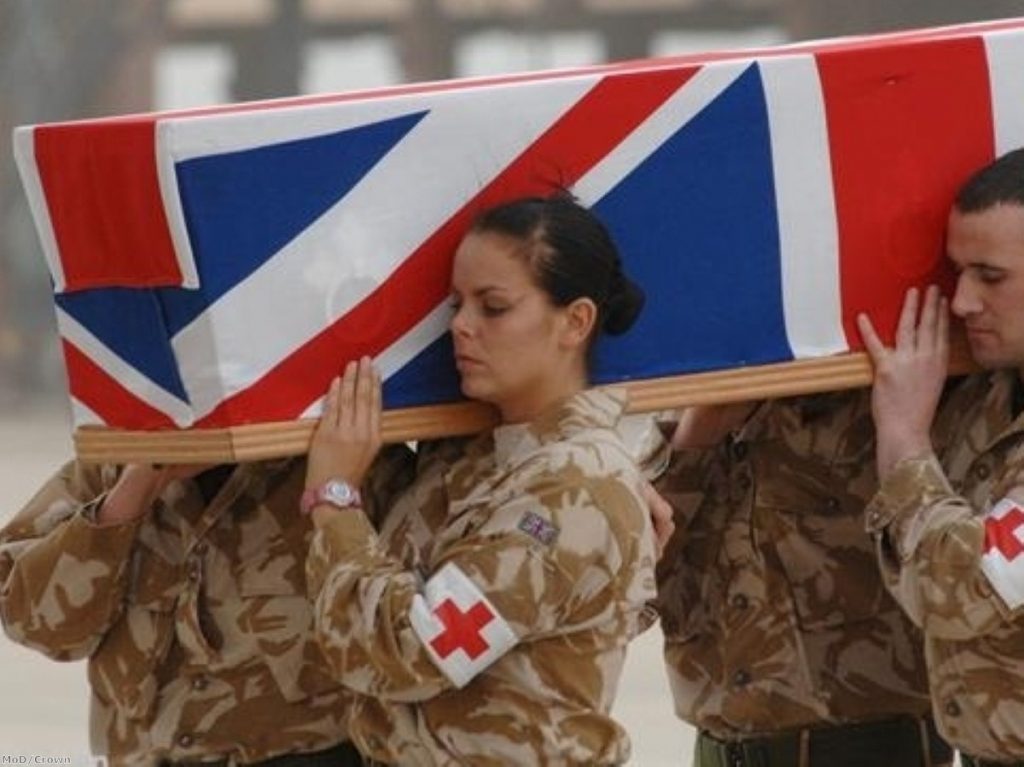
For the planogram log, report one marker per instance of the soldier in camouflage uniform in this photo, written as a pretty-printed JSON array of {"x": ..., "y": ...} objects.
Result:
[
  {"x": 188, "y": 597},
  {"x": 486, "y": 624},
  {"x": 782, "y": 646},
  {"x": 949, "y": 520}
]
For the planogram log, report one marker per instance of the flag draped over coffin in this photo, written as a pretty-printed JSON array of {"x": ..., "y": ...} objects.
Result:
[{"x": 217, "y": 267}]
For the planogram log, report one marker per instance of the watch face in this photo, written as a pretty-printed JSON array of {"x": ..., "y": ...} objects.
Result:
[{"x": 339, "y": 493}]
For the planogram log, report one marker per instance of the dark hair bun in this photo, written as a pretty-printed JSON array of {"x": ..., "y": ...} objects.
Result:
[{"x": 623, "y": 307}]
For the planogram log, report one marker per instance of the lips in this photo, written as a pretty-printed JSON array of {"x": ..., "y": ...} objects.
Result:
[
  {"x": 980, "y": 335},
  {"x": 464, "y": 360}
]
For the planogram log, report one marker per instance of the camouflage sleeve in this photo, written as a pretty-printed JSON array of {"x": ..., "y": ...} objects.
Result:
[
  {"x": 931, "y": 551},
  {"x": 392, "y": 633},
  {"x": 61, "y": 576}
]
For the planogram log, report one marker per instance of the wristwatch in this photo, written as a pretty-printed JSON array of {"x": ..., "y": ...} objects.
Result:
[{"x": 336, "y": 492}]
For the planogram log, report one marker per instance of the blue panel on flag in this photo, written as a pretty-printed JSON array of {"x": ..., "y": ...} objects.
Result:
[
  {"x": 710, "y": 189},
  {"x": 129, "y": 323},
  {"x": 429, "y": 378},
  {"x": 242, "y": 207}
]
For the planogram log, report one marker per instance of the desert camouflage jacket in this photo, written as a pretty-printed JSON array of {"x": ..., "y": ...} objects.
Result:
[
  {"x": 194, "y": 619},
  {"x": 487, "y": 623},
  {"x": 774, "y": 612},
  {"x": 951, "y": 542}
]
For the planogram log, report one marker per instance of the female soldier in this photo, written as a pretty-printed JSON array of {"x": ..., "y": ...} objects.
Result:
[{"x": 487, "y": 622}]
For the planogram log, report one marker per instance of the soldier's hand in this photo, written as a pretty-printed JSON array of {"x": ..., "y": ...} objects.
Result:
[
  {"x": 347, "y": 439},
  {"x": 138, "y": 486},
  {"x": 662, "y": 522},
  {"x": 908, "y": 377}
]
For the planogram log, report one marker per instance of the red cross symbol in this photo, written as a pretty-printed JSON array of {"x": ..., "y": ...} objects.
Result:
[
  {"x": 461, "y": 629},
  {"x": 1002, "y": 534}
]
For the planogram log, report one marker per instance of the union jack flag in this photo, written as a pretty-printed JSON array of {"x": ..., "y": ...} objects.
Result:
[{"x": 217, "y": 267}]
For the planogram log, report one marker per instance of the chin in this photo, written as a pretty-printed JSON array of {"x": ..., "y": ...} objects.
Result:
[
  {"x": 473, "y": 389},
  {"x": 989, "y": 360}
]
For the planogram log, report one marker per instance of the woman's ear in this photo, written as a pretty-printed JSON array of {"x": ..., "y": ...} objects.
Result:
[{"x": 581, "y": 316}]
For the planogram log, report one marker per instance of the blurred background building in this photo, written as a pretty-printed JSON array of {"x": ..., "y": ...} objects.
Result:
[{"x": 64, "y": 60}]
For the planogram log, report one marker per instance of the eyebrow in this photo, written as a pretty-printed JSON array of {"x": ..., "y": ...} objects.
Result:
[{"x": 482, "y": 292}]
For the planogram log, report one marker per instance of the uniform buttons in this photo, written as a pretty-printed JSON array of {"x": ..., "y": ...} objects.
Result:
[
  {"x": 740, "y": 602},
  {"x": 193, "y": 572},
  {"x": 185, "y": 741},
  {"x": 200, "y": 683},
  {"x": 741, "y": 678},
  {"x": 874, "y": 518},
  {"x": 982, "y": 471},
  {"x": 952, "y": 707},
  {"x": 200, "y": 548}
]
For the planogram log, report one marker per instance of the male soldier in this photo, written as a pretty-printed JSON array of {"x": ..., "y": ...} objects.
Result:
[
  {"x": 185, "y": 588},
  {"x": 783, "y": 648},
  {"x": 950, "y": 523}
]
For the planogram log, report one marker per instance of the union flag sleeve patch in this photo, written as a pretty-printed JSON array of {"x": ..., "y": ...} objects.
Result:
[
  {"x": 461, "y": 630},
  {"x": 1002, "y": 558}
]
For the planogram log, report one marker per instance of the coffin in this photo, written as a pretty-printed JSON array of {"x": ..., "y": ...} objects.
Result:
[{"x": 214, "y": 269}]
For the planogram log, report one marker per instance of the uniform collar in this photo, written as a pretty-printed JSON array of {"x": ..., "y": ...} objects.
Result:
[
  {"x": 598, "y": 408},
  {"x": 999, "y": 405}
]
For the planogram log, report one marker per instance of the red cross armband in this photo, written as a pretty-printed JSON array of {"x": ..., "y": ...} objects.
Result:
[
  {"x": 461, "y": 630},
  {"x": 1002, "y": 558}
]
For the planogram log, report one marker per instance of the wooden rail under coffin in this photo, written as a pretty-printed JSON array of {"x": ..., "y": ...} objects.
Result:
[{"x": 271, "y": 440}]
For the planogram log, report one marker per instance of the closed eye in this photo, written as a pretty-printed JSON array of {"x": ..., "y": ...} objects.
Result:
[{"x": 990, "y": 274}]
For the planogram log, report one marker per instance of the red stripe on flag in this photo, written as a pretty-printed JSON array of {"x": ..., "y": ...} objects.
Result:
[
  {"x": 907, "y": 125},
  {"x": 103, "y": 198},
  {"x": 97, "y": 390},
  {"x": 579, "y": 140}
]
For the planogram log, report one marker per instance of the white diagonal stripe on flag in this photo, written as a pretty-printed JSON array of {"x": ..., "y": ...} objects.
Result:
[
  {"x": 696, "y": 93},
  {"x": 126, "y": 375},
  {"x": 400, "y": 353},
  {"x": 349, "y": 251}
]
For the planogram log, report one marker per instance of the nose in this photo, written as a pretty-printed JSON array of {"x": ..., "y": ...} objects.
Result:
[
  {"x": 965, "y": 297},
  {"x": 459, "y": 323}
]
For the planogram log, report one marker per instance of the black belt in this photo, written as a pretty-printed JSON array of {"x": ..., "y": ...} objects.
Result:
[
  {"x": 902, "y": 740},
  {"x": 970, "y": 761},
  {"x": 341, "y": 755}
]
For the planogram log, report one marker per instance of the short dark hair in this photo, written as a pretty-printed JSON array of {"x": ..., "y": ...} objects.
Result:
[
  {"x": 571, "y": 255},
  {"x": 1000, "y": 182}
]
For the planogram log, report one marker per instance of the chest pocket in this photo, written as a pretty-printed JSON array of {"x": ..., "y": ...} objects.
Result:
[
  {"x": 123, "y": 669},
  {"x": 813, "y": 526},
  {"x": 276, "y": 616}
]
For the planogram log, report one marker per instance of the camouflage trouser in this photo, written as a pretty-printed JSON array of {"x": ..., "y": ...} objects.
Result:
[
  {"x": 901, "y": 742},
  {"x": 970, "y": 761}
]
